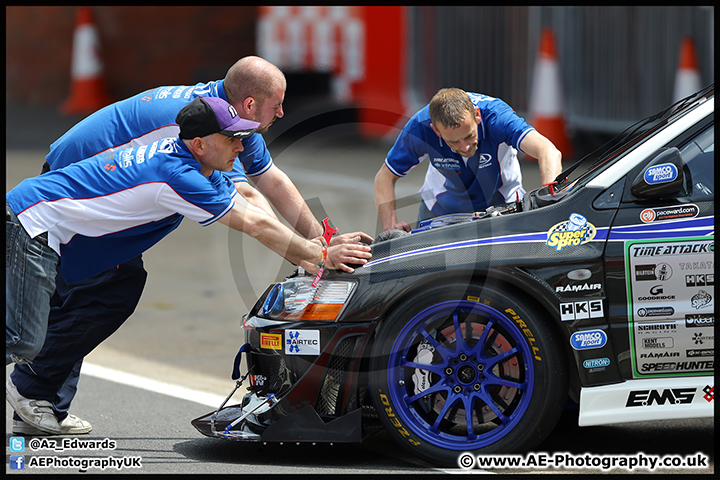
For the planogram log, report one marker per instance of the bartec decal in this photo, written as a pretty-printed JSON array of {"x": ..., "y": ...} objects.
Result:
[
  {"x": 667, "y": 172},
  {"x": 302, "y": 342},
  {"x": 572, "y": 233}
]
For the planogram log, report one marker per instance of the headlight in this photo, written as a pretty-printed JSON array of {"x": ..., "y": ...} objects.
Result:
[{"x": 297, "y": 299}]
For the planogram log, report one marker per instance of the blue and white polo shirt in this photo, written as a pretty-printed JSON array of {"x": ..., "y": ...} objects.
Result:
[
  {"x": 145, "y": 118},
  {"x": 455, "y": 184},
  {"x": 108, "y": 209}
]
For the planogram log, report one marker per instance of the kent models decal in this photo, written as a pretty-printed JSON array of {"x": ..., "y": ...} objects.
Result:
[{"x": 670, "y": 305}]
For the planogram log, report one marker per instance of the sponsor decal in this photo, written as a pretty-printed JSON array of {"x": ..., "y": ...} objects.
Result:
[
  {"x": 588, "y": 339},
  {"x": 687, "y": 266},
  {"x": 672, "y": 396},
  {"x": 655, "y": 311},
  {"x": 272, "y": 341},
  {"x": 669, "y": 213},
  {"x": 583, "y": 287},
  {"x": 655, "y": 272},
  {"x": 657, "y": 342},
  {"x": 526, "y": 331},
  {"x": 664, "y": 173},
  {"x": 659, "y": 354},
  {"x": 656, "y": 295},
  {"x": 572, "y": 233},
  {"x": 446, "y": 165},
  {"x": 684, "y": 248},
  {"x": 700, "y": 352},
  {"x": 484, "y": 160},
  {"x": 109, "y": 167},
  {"x": 709, "y": 393},
  {"x": 657, "y": 327},
  {"x": 581, "y": 310},
  {"x": 697, "y": 365},
  {"x": 700, "y": 320},
  {"x": 257, "y": 380},
  {"x": 700, "y": 338},
  {"x": 701, "y": 300},
  {"x": 700, "y": 280},
  {"x": 596, "y": 363},
  {"x": 302, "y": 342}
]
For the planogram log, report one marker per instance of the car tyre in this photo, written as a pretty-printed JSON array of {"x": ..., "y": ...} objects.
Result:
[{"x": 499, "y": 389}]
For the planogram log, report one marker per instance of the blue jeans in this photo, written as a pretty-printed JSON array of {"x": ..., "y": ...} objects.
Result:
[
  {"x": 30, "y": 267},
  {"x": 82, "y": 316}
]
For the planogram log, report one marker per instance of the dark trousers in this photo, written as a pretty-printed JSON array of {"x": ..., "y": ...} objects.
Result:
[{"x": 82, "y": 315}]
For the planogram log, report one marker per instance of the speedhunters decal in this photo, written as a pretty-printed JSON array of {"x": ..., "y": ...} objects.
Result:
[
  {"x": 671, "y": 305},
  {"x": 574, "y": 232}
]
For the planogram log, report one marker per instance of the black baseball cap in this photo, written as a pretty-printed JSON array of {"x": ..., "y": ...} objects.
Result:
[{"x": 207, "y": 115}]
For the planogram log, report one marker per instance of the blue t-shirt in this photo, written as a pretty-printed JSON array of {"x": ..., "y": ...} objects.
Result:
[
  {"x": 145, "y": 118},
  {"x": 454, "y": 184},
  {"x": 106, "y": 210}
]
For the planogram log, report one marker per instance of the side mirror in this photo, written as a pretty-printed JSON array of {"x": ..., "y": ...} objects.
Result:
[{"x": 663, "y": 177}]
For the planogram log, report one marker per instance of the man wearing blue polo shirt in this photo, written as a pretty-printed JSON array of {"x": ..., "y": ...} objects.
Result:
[
  {"x": 470, "y": 141},
  {"x": 109, "y": 208},
  {"x": 256, "y": 89}
]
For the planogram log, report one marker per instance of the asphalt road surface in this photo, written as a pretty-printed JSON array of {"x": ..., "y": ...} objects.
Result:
[{"x": 171, "y": 361}]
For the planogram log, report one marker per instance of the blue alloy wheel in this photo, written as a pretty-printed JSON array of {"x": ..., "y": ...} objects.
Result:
[{"x": 458, "y": 369}]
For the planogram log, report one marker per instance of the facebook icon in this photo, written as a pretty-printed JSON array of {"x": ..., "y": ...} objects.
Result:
[{"x": 17, "y": 462}]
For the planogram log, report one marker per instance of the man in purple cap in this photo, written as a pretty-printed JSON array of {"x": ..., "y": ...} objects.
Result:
[{"x": 100, "y": 212}]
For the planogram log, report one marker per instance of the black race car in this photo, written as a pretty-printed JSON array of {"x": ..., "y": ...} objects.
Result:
[{"x": 470, "y": 333}]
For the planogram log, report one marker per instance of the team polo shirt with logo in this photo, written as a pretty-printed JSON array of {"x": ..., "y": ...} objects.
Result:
[
  {"x": 106, "y": 210},
  {"x": 455, "y": 184},
  {"x": 145, "y": 118}
]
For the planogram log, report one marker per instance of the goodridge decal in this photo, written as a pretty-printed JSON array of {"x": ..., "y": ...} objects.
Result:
[
  {"x": 669, "y": 302},
  {"x": 574, "y": 232}
]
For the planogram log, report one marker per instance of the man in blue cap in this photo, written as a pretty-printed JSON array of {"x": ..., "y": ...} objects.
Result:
[{"x": 108, "y": 209}]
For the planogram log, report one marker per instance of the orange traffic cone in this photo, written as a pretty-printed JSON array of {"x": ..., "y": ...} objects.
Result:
[
  {"x": 687, "y": 78},
  {"x": 546, "y": 100},
  {"x": 88, "y": 92}
]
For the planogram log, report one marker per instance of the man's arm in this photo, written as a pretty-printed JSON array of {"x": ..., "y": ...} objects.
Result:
[
  {"x": 385, "y": 199},
  {"x": 249, "y": 193},
  {"x": 283, "y": 241},
  {"x": 283, "y": 194},
  {"x": 549, "y": 158}
]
